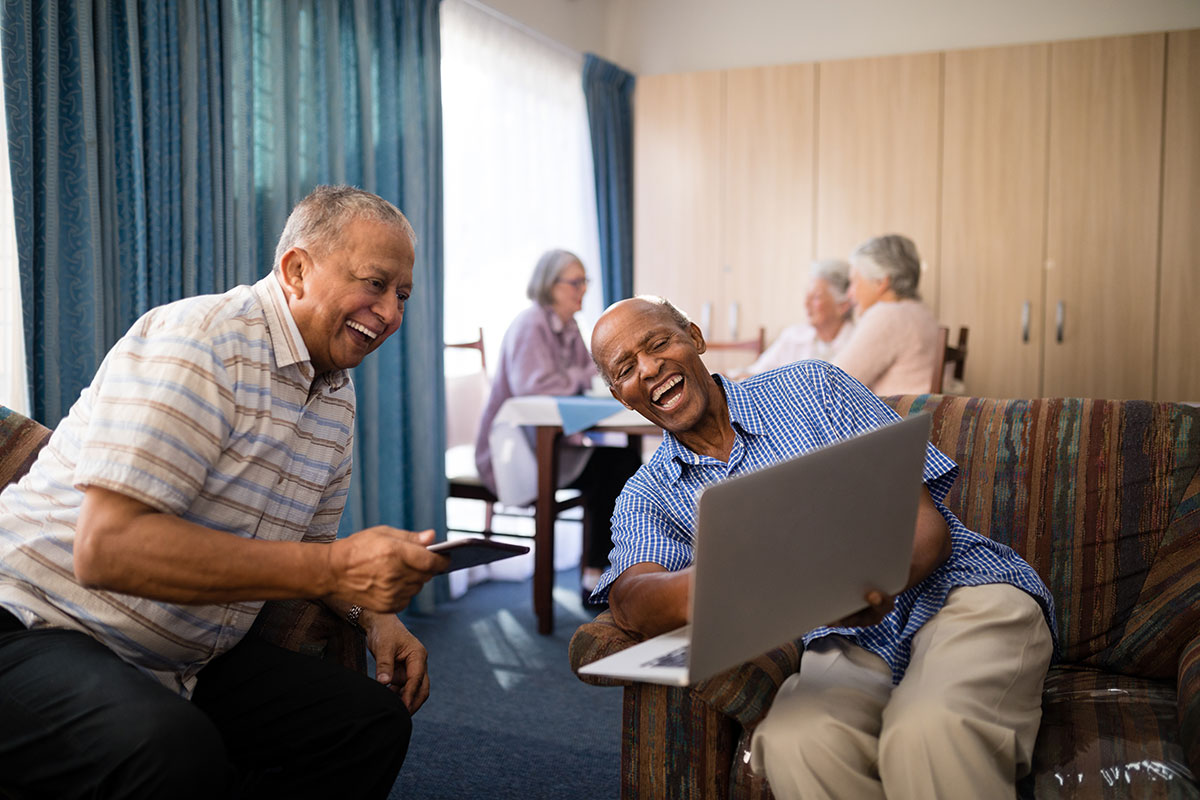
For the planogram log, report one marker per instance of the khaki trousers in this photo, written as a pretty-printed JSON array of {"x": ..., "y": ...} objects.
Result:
[{"x": 961, "y": 723}]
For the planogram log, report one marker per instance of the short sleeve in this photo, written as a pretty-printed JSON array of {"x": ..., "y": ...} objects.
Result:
[
  {"x": 643, "y": 532},
  {"x": 162, "y": 411}
]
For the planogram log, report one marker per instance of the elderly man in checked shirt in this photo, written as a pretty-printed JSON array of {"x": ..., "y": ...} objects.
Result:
[
  {"x": 933, "y": 693},
  {"x": 202, "y": 472}
]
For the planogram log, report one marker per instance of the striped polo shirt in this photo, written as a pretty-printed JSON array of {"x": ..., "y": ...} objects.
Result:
[
  {"x": 775, "y": 416},
  {"x": 209, "y": 409}
]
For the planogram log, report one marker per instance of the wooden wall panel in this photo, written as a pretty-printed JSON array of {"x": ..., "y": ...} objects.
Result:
[
  {"x": 677, "y": 186},
  {"x": 994, "y": 213},
  {"x": 878, "y": 155},
  {"x": 768, "y": 198},
  {"x": 1106, "y": 115},
  {"x": 1178, "y": 363}
]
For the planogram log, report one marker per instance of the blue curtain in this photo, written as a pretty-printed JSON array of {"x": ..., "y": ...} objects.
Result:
[
  {"x": 609, "y": 92},
  {"x": 157, "y": 147}
]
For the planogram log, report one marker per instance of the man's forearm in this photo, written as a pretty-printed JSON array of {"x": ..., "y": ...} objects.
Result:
[
  {"x": 162, "y": 557},
  {"x": 650, "y": 600}
]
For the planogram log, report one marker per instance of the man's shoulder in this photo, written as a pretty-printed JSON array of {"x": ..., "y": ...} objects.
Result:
[
  {"x": 806, "y": 372},
  {"x": 237, "y": 312}
]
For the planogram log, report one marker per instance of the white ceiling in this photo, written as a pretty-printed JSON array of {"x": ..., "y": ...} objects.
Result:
[{"x": 661, "y": 36}]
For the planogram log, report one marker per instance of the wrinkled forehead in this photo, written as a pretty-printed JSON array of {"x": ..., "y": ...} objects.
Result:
[{"x": 625, "y": 328}]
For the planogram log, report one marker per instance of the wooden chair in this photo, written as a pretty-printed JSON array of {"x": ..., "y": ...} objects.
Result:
[
  {"x": 756, "y": 345},
  {"x": 465, "y": 483},
  {"x": 949, "y": 354}
]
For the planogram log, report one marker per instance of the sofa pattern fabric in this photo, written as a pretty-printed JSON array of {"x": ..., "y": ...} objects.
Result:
[{"x": 1102, "y": 498}]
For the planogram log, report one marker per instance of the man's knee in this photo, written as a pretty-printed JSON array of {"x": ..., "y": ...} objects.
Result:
[
  {"x": 172, "y": 751},
  {"x": 381, "y": 720},
  {"x": 931, "y": 727}
]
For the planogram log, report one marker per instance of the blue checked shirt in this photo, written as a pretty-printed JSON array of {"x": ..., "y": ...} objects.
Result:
[{"x": 778, "y": 415}]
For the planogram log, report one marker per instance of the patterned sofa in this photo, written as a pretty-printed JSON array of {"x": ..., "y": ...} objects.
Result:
[
  {"x": 301, "y": 625},
  {"x": 1103, "y": 499}
]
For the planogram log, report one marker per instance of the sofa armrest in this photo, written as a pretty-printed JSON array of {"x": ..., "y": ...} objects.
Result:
[
  {"x": 1189, "y": 703},
  {"x": 744, "y": 692},
  {"x": 309, "y": 627}
]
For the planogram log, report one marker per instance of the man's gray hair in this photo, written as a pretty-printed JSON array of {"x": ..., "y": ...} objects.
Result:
[
  {"x": 549, "y": 267},
  {"x": 894, "y": 257},
  {"x": 317, "y": 221},
  {"x": 667, "y": 307},
  {"x": 836, "y": 274}
]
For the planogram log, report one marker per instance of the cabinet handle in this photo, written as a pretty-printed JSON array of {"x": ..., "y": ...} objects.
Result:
[
  {"x": 706, "y": 318},
  {"x": 1060, "y": 315},
  {"x": 733, "y": 321},
  {"x": 1025, "y": 322}
]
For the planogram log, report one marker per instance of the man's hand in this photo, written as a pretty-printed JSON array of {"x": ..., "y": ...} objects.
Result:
[
  {"x": 382, "y": 568},
  {"x": 400, "y": 659},
  {"x": 878, "y": 607}
]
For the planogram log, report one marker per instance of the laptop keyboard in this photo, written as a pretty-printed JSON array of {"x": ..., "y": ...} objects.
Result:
[{"x": 675, "y": 658}]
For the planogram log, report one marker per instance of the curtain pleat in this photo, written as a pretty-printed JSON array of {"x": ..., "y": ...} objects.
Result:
[
  {"x": 157, "y": 147},
  {"x": 609, "y": 92}
]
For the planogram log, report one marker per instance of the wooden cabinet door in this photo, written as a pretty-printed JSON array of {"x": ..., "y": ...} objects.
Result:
[
  {"x": 1178, "y": 363},
  {"x": 677, "y": 187},
  {"x": 1106, "y": 114},
  {"x": 767, "y": 199},
  {"x": 994, "y": 214},
  {"x": 878, "y": 153}
]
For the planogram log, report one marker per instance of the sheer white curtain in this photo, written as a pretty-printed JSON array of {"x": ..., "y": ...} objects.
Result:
[
  {"x": 518, "y": 171},
  {"x": 13, "y": 384}
]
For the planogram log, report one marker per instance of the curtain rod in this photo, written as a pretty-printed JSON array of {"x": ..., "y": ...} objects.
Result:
[{"x": 541, "y": 37}]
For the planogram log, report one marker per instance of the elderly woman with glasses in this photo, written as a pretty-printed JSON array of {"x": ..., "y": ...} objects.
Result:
[
  {"x": 543, "y": 352},
  {"x": 895, "y": 342}
]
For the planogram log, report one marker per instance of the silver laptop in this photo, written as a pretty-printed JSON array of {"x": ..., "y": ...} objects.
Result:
[{"x": 787, "y": 549}]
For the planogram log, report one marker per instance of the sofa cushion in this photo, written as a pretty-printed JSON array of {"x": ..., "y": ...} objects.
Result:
[
  {"x": 1105, "y": 735},
  {"x": 20, "y": 440},
  {"x": 1102, "y": 498}
]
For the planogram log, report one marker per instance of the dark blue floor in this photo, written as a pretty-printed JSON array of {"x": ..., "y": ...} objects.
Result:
[{"x": 506, "y": 718}]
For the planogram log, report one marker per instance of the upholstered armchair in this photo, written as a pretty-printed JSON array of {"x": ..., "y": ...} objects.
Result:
[{"x": 1103, "y": 499}]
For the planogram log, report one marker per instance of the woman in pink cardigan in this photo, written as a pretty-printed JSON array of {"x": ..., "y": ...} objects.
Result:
[{"x": 894, "y": 346}]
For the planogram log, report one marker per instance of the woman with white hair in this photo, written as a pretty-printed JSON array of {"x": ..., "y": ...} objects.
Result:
[
  {"x": 829, "y": 326},
  {"x": 894, "y": 346},
  {"x": 543, "y": 353}
]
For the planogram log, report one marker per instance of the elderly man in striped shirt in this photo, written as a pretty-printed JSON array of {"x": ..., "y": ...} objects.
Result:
[
  {"x": 935, "y": 692},
  {"x": 201, "y": 473}
]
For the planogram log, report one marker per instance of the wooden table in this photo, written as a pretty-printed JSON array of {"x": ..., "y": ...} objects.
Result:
[{"x": 544, "y": 419}]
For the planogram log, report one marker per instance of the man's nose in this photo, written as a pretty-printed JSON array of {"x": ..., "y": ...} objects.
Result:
[{"x": 649, "y": 364}]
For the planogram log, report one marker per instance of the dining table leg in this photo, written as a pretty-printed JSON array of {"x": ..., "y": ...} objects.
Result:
[{"x": 543, "y": 531}]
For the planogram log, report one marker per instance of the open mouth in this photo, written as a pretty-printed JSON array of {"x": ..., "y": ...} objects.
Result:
[
  {"x": 361, "y": 332},
  {"x": 668, "y": 393}
]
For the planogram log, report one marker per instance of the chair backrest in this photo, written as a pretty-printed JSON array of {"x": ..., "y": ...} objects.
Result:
[
  {"x": 755, "y": 345},
  {"x": 1099, "y": 497},
  {"x": 20, "y": 441},
  {"x": 947, "y": 353},
  {"x": 476, "y": 344},
  {"x": 466, "y": 396}
]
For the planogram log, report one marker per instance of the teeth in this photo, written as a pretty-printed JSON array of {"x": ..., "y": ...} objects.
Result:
[
  {"x": 660, "y": 391},
  {"x": 363, "y": 329}
]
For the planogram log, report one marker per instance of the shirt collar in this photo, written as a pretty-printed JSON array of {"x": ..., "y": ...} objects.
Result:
[
  {"x": 286, "y": 340},
  {"x": 743, "y": 416}
]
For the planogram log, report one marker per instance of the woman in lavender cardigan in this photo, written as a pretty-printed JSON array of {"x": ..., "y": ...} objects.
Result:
[{"x": 543, "y": 353}]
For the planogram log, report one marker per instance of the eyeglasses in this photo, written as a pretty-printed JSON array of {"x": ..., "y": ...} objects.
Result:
[{"x": 578, "y": 283}]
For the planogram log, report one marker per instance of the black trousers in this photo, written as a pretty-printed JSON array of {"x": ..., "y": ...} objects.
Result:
[
  {"x": 77, "y": 721},
  {"x": 601, "y": 481}
]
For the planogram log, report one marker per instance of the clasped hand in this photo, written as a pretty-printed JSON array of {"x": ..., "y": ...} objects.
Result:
[{"x": 382, "y": 568}]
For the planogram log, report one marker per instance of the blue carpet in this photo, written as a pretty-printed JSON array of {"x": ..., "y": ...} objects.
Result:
[{"x": 506, "y": 718}]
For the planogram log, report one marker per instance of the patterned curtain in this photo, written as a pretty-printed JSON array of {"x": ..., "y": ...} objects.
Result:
[
  {"x": 609, "y": 93},
  {"x": 157, "y": 147}
]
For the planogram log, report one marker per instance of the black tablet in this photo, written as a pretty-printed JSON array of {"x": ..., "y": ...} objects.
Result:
[{"x": 465, "y": 553}]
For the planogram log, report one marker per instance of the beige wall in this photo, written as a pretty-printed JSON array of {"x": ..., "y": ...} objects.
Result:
[{"x": 652, "y": 37}]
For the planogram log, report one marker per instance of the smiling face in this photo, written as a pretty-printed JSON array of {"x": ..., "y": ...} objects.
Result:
[
  {"x": 349, "y": 297},
  {"x": 653, "y": 365}
]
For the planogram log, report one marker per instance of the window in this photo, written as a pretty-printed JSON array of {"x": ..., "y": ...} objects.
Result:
[{"x": 518, "y": 171}]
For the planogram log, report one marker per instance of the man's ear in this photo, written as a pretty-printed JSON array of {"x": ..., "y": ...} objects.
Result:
[
  {"x": 697, "y": 338},
  {"x": 294, "y": 267}
]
